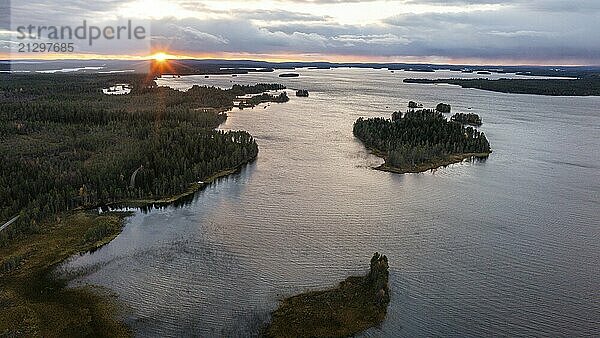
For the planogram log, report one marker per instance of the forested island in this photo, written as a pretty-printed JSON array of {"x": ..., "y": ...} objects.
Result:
[
  {"x": 420, "y": 140},
  {"x": 444, "y": 108},
  {"x": 587, "y": 86},
  {"x": 262, "y": 98},
  {"x": 470, "y": 118},
  {"x": 302, "y": 93},
  {"x": 357, "y": 304},
  {"x": 414, "y": 105},
  {"x": 66, "y": 147}
]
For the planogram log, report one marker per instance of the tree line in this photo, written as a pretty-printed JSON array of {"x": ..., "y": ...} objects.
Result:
[
  {"x": 65, "y": 145},
  {"x": 586, "y": 86}
]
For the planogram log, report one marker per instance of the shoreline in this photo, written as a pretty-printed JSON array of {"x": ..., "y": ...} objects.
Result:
[
  {"x": 38, "y": 302},
  {"x": 192, "y": 189},
  {"x": 424, "y": 167},
  {"x": 28, "y": 265},
  {"x": 35, "y": 294}
]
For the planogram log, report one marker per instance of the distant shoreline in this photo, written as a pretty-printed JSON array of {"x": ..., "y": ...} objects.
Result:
[
  {"x": 547, "y": 87},
  {"x": 209, "y": 67}
]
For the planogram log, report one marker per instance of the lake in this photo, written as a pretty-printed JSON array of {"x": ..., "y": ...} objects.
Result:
[{"x": 505, "y": 247}]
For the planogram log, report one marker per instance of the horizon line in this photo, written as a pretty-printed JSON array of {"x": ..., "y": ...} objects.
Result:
[
  {"x": 42, "y": 60},
  {"x": 307, "y": 58}
]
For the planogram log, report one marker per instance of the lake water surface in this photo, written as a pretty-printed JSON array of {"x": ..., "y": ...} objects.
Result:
[{"x": 505, "y": 247}]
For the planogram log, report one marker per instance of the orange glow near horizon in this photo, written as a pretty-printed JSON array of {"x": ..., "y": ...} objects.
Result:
[
  {"x": 160, "y": 57},
  {"x": 164, "y": 56}
]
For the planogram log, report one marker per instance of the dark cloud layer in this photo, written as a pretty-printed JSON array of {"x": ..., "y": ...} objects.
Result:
[{"x": 528, "y": 31}]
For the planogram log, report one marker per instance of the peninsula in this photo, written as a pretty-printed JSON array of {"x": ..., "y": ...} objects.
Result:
[
  {"x": 586, "y": 86},
  {"x": 357, "y": 304},
  {"x": 68, "y": 148}
]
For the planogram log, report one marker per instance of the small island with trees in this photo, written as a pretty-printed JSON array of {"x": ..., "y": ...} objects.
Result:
[
  {"x": 444, "y": 108},
  {"x": 266, "y": 97},
  {"x": 420, "y": 140},
  {"x": 414, "y": 105},
  {"x": 258, "y": 88},
  {"x": 302, "y": 93},
  {"x": 470, "y": 119},
  {"x": 358, "y": 303}
]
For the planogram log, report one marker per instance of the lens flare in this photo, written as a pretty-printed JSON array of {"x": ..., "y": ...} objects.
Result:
[{"x": 160, "y": 57}]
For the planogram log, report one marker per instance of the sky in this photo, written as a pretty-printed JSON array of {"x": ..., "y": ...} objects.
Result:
[{"x": 423, "y": 31}]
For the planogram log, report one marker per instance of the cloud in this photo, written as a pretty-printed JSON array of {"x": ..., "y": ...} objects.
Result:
[
  {"x": 521, "y": 30},
  {"x": 281, "y": 16},
  {"x": 507, "y": 33},
  {"x": 213, "y": 36},
  {"x": 187, "y": 33},
  {"x": 375, "y": 39}
]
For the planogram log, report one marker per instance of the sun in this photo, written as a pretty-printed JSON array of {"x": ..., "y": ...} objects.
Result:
[{"x": 160, "y": 57}]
